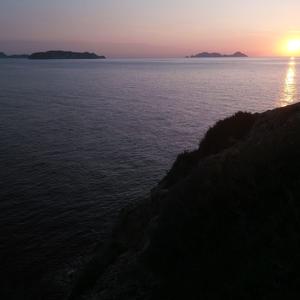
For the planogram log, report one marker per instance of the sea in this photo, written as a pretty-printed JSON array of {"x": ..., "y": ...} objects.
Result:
[{"x": 82, "y": 139}]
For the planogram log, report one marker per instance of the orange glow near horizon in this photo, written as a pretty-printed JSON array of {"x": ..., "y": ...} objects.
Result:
[
  {"x": 158, "y": 29},
  {"x": 289, "y": 46}
]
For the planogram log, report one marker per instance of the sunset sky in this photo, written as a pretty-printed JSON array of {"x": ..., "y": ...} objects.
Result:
[{"x": 156, "y": 28}]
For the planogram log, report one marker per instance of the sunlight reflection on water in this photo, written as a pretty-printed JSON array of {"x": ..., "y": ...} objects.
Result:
[{"x": 290, "y": 89}]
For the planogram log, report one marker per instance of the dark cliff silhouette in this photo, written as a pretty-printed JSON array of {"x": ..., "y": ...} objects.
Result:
[
  {"x": 65, "y": 55},
  {"x": 215, "y": 54},
  {"x": 223, "y": 224}
]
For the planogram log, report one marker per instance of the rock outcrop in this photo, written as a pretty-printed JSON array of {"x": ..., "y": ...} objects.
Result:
[{"x": 223, "y": 224}]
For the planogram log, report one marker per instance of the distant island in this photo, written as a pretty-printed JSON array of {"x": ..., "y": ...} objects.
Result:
[
  {"x": 65, "y": 55},
  {"x": 215, "y": 54},
  {"x": 3, "y": 55},
  {"x": 56, "y": 54}
]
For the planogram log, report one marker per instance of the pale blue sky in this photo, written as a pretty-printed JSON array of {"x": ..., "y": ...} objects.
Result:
[{"x": 128, "y": 28}]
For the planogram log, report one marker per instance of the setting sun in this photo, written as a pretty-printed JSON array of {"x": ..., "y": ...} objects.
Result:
[{"x": 293, "y": 46}]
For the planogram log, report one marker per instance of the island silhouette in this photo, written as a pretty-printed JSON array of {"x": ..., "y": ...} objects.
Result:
[
  {"x": 59, "y": 54},
  {"x": 216, "y": 54},
  {"x": 55, "y": 54}
]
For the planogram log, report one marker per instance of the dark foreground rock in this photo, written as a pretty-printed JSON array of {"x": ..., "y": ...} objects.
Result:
[
  {"x": 65, "y": 55},
  {"x": 223, "y": 224}
]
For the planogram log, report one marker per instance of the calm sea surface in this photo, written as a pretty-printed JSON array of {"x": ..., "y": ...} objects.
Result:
[{"x": 81, "y": 139}]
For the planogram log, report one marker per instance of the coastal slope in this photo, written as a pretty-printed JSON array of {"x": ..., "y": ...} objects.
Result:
[{"x": 223, "y": 224}]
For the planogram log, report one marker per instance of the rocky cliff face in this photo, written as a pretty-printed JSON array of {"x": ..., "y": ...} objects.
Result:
[{"x": 223, "y": 224}]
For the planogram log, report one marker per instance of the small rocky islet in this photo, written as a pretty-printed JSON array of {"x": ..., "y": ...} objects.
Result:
[{"x": 216, "y": 55}]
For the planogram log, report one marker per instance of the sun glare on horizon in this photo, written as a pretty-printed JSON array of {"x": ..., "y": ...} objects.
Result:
[{"x": 293, "y": 46}]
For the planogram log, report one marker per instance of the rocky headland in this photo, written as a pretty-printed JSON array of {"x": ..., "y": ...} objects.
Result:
[{"x": 224, "y": 223}]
